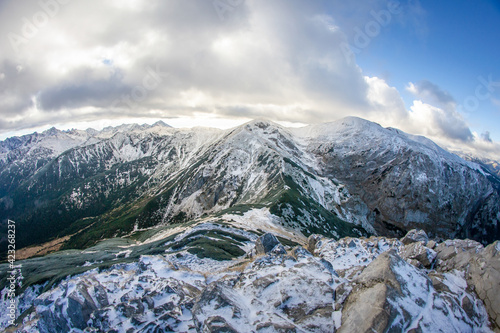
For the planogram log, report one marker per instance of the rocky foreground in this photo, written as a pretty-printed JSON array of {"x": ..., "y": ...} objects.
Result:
[{"x": 371, "y": 284}]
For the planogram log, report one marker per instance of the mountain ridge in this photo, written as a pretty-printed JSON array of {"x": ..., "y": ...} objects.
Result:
[{"x": 347, "y": 176}]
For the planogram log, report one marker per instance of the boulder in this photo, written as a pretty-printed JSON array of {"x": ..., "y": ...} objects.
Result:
[
  {"x": 312, "y": 242},
  {"x": 415, "y": 235},
  {"x": 456, "y": 254},
  {"x": 381, "y": 269},
  {"x": 367, "y": 308},
  {"x": 418, "y": 252},
  {"x": 266, "y": 243}
]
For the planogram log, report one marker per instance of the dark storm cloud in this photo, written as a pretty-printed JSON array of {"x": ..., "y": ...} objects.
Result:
[{"x": 83, "y": 92}]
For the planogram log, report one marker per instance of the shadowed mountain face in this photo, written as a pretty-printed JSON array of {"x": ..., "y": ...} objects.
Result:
[{"x": 347, "y": 178}]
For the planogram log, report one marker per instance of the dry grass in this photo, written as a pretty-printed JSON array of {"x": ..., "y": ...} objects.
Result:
[
  {"x": 46, "y": 248},
  {"x": 40, "y": 250}
]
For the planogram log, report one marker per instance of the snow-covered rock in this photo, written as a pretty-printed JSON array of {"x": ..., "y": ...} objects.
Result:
[
  {"x": 346, "y": 285},
  {"x": 419, "y": 254},
  {"x": 274, "y": 293},
  {"x": 392, "y": 295}
]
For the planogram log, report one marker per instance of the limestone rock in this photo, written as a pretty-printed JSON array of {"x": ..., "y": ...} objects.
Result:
[
  {"x": 391, "y": 295},
  {"x": 456, "y": 254},
  {"x": 420, "y": 253},
  {"x": 484, "y": 276},
  {"x": 415, "y": 235},
  {"x": 431, "y": 244},
  {"x": 350, "y": 285},
  {"x": 367, "y": 308}
]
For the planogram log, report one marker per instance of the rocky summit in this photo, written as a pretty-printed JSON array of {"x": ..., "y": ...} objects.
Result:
[
  {"x": 375, "y": 284},
  {"x": 345, "y": 226}
]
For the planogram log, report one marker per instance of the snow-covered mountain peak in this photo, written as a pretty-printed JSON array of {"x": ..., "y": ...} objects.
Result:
[
  {"x": 261, "y": 123},
  {"x": 160, "y": 123},
  {"x": 51, "y": 132},
  {"x": 339, "y": 127},
  {"x": 262, "y": 127},
  {"x": 357, "y": 123},
  {"x": 352, "y": 134},
  {"x": 352, "y": 169}
]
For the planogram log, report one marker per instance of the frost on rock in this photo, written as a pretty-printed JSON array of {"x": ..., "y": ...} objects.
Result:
[
  {"x": 392, "y": 295},
  {"x": 349, "y": 253},
  {"x": 275, "y": 293},
  {"x": 348, "y": 285},
  {"x": 148, "y": 295}
]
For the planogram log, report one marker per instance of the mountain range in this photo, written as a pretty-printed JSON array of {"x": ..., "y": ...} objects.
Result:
[{"x": 351, "y": 177}]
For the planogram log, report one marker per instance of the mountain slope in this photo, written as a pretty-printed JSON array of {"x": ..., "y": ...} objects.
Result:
[{"x": 407, "y": 183}]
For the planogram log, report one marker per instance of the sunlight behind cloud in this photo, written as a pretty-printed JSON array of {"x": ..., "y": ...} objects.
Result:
[{"x": 279, "y": 59}]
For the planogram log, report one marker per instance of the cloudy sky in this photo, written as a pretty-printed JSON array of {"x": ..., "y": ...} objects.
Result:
[{"x": 426, "y": 67}]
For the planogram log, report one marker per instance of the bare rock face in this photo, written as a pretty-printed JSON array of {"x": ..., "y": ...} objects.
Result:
[
  {"x": 484, "y": 276},
  {"x": 407, "y": 182},
  {"x": 391, "y": 295}
]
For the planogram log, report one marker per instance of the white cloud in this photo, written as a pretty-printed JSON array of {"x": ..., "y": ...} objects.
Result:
[
  {"x": 446, "y": 127},
  {"x": 432, "y": 94},
  {"x": 386, "y": 103},
  {"x": 432, "y": 121},
  {"x": 276, "y": 56},
  {"x": 277, "y": 59}
]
